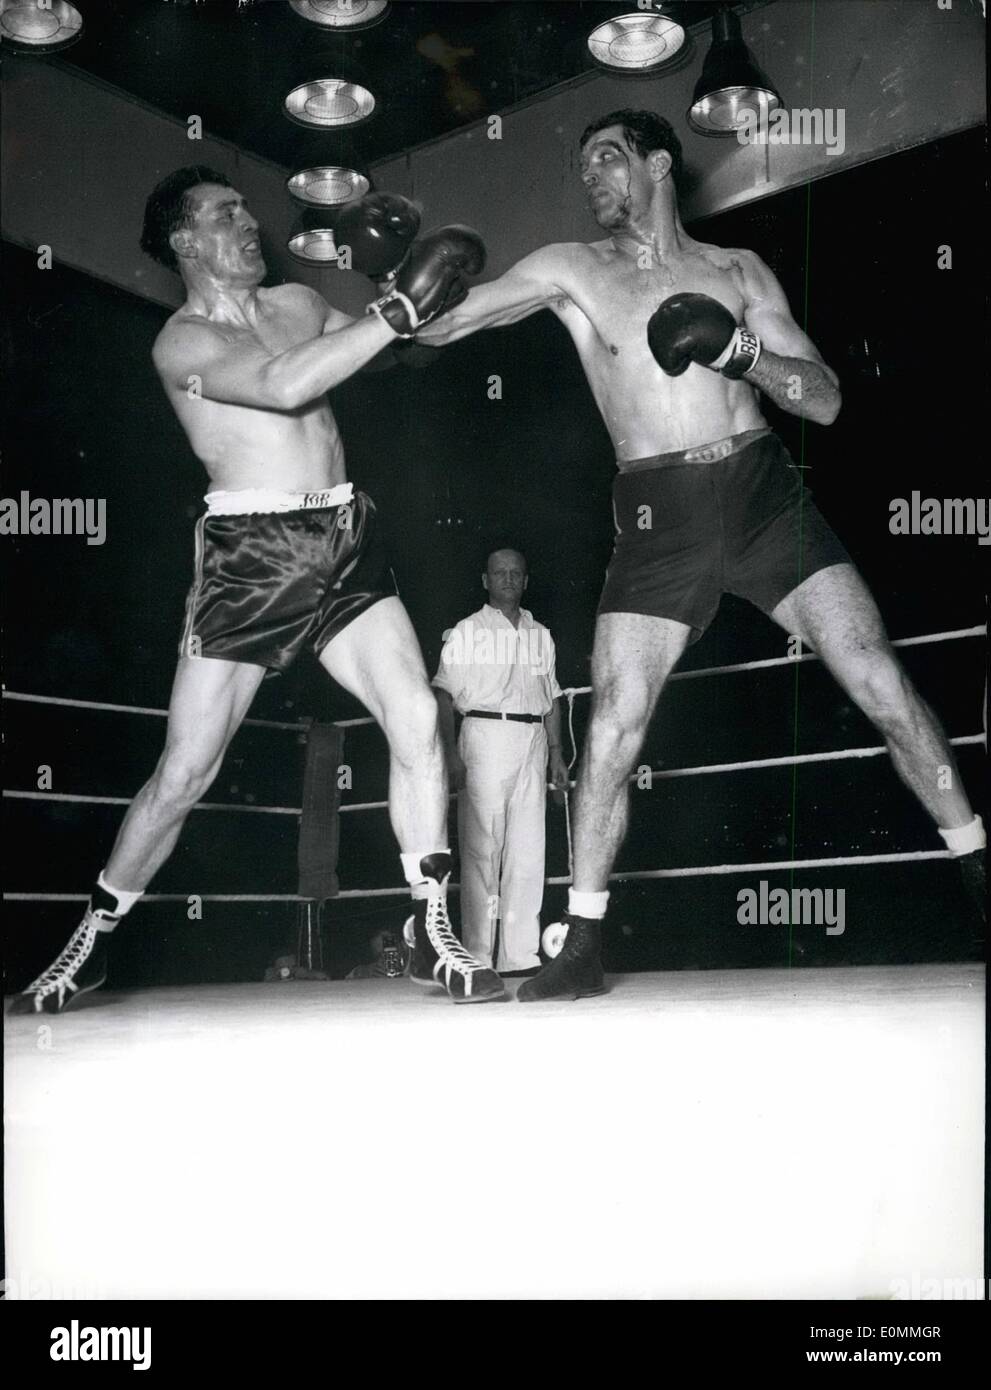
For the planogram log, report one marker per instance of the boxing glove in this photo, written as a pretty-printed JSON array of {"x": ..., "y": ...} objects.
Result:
[
  {"x": 379, "y": 230},
  {"x": 430, "y": 282},
  {"x": 691, "y": 328}
]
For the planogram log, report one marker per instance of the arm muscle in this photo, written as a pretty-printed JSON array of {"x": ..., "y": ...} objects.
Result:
[{"x": 533, "y": 283}]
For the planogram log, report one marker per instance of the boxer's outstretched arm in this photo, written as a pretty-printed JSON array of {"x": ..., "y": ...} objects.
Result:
[
  {"x": 789, "y": 369},
  {"x": 531, "y": 284},
  {"x": 194, "y": 354}
]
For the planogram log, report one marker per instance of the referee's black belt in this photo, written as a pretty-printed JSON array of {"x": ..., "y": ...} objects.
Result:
[{"x": 494, "y": 714}]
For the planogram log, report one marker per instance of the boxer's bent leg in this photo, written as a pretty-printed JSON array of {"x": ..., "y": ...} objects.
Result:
[
  {"x": 209, "y": 700},
  {"x": 377, "y": 658},
  {"x": 632, "y": 657},
  {"x": 834, "y": 613}
]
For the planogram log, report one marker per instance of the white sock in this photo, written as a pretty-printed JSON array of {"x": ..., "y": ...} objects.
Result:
[
  {"x": 591, "y": 905},
  {"x": 125, "y": 901},
  {"x": 965, "y": 838},
  {"x": 412, "y": 872}
]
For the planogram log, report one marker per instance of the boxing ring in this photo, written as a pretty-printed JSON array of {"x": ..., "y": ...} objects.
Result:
[{"x": 719, "y": 1133}]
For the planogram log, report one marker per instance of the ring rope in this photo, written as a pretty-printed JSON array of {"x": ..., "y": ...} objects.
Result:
[
  {"x": 567, "y": 833},
  {"x": 135, "y": 709},
  {"x": 570, "y": 697},
  {"x": 792, "y": 759},
  {"x": 924, "y": 639},
  {"x": 218, "y": 897},
  {"x": 698, "y": 871},
  {"x": 771, "y": 866},
  {"x": 13, "y": 795},
  {"x": 750, "y": 764},
  {"x": 570, "y": 693}
]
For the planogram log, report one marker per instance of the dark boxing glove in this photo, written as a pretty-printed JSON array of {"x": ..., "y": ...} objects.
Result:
[
  {"x": 379, "y": 229},
  {"x": 431, "y": 280},
  {"x": 691, "y": 328}
]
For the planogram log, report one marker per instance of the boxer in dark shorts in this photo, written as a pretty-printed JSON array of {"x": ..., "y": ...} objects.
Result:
[
  {"x": 680, "y": 340},
  {"x": 288, "y": 555},
  {"x": 269, "y": 583},
  {"x": 728, "y": 518}
]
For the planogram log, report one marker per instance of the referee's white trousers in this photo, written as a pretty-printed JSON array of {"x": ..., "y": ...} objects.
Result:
[{"x": 501, "y": 834}]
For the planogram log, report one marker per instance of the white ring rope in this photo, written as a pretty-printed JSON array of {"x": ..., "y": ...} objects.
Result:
[
  {"x": 699, "y": 871},
  {"x": 567, "y": 832},
  {"x": 921, "y": 641},
  {"x": 924, "y": 639},
  {"x": 791, "y": 760},
  {"x": 570, "y": 693},
  {"x": 837, "y": 861},
  {"x": 139, "y": 709},
  {"x": 749, "y": 765},
  {"x": 219, "y": 897},
  {"x": 126, "y": 801}
]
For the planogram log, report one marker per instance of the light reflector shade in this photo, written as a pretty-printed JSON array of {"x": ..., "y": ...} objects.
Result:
[
  {"x": 341, "y": 14},
  {"x": 731, "y": 82},
  {"x": 636, "y": 43},
  {"x": 327, "y": 186},
  {"x": 329, "y": 103},
  {"x": 314, "y": 246},
  {"x": 39, "y": 28}
]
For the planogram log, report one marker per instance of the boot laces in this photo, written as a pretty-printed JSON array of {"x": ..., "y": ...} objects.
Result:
[
  {"x": 59, "y": 974},
  {"x": 450, "y": 952}
]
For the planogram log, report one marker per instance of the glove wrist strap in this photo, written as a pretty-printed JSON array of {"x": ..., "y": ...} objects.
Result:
[
  {"x": 741, "y": 355},
  {"x": 398, "y": 311}
]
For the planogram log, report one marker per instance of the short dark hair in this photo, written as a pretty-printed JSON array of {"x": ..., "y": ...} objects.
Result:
[
  {"x": 168, "y": 208},
  {"x": 497, "y": 549},
  {"x": 645, "y": 132}
]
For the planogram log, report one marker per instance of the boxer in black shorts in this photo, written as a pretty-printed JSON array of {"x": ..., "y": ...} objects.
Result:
[
  {"x": 678, "y": 340},
  {"x": 268, "y": 584},
  {"x": 287, "y": 556},
  {"x": 730, "y": 518}
]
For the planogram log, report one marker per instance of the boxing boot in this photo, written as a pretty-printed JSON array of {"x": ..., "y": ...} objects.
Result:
[
  {"x": 79, "y": 968},
  {"x": 436, "y": 955},
  {"x": 574, "y": 974}
]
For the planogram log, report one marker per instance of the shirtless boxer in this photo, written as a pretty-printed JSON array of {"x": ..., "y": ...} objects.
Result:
[
  {"x": 654, "y": 316},
  {"x": 287, "y": 555}
]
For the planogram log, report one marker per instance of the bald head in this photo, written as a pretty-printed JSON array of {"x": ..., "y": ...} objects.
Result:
[{"x": 505, "y": 578}]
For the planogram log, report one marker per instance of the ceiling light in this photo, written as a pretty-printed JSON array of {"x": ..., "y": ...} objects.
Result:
[
  {"x": 328, "y": 185},
  {"x": 637, "y": 43},
  {"x": 312, "y": 239},
  {"x": 39, "y": 26},
  {"x": 329, "y": 103},
  {"x": 341, "y": 14},
  {"x": 732, "y": 88}
]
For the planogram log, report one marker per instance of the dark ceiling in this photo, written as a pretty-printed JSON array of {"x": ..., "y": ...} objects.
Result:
[{"x": 433, "y": 66}]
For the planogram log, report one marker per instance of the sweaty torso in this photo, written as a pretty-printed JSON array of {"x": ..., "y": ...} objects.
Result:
[
  {"x": 246, "y": 447},
  {"x": 610, "y": 298}
]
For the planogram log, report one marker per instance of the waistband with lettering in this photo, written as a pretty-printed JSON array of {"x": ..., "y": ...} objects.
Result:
[
  {"x": 700, "y": 453},
  {"x": 246, "y": 501}
]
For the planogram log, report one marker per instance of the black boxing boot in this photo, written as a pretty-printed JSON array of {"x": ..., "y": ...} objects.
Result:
[
  {"x": 574, "y": 974},
  {"x": 79, "y": 968},
  {"x": 436, "y": 955},
  {"x": 971, "y": 868}
]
